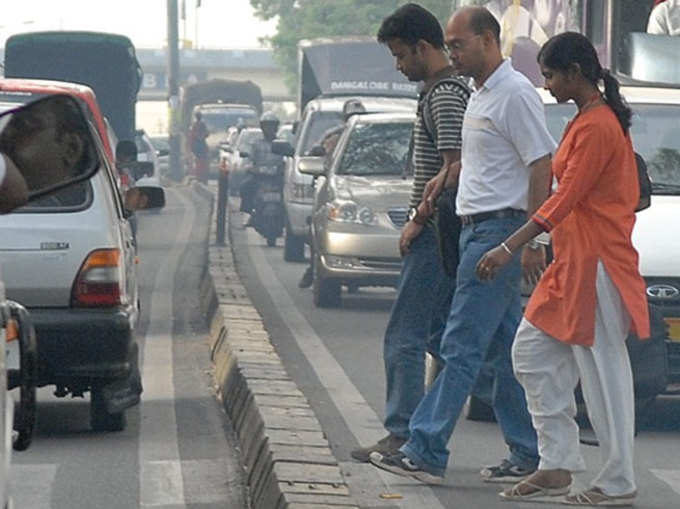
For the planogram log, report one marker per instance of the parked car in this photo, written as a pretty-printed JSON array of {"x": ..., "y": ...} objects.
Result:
[
  {"x": 320, "y": 115},
  {"x": 69, "y": 258},
  {"x": 360, "y": 206}
]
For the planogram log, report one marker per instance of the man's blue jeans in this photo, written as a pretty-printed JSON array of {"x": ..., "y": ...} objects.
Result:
[
  {"x": 416, "y": 325},
  {"x": 481, "y": 326}
]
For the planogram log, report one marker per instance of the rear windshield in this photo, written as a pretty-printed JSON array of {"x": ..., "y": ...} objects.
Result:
[
  {"x": 376, "y": 149},
  {"x": 656, "y": 137},
  {"x": 73, "y": 198},
  {"x": 221, "y": 120}
]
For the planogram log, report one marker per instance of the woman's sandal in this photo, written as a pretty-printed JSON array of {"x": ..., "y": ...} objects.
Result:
[
  {"x": 594, "y": 497},
  {"x": 515, "y": 492}
]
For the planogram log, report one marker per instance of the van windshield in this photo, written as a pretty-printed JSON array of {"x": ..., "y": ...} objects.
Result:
[{"x": 656, "y": 137}]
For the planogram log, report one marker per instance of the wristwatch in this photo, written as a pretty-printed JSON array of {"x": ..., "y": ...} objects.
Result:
[
  {"x": 533, "y": 244},
  {"x": 413, "y": 216}
]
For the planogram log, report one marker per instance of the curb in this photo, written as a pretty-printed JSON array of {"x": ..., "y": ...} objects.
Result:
[{"x": 287, "y": 458}]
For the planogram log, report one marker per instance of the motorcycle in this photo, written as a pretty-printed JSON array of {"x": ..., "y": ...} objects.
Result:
[{"x": 268, "y": 216}]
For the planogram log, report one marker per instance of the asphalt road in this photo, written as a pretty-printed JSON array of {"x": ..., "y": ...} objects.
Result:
[
  {"x": 335, "y": 356},
  {"x": 178, "y": 450}
]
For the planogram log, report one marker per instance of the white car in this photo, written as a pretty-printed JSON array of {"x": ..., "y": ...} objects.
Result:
[
  {"x": 655, "y": 132},
  {"x": 146, "y": 152}
]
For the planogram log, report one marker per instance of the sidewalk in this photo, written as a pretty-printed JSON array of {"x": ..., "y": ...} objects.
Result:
[{"x": 288, "y": 461}]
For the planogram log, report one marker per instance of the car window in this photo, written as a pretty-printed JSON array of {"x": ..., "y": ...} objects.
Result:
[
  {"x": 70, "y": 199},
  {"x": 319, "y": 122},
  {"x": 376, "y": 149},
  {"x": 656, "y": 137}
]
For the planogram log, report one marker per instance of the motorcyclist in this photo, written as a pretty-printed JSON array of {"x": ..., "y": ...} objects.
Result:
[{"x": 261, "y": 156}]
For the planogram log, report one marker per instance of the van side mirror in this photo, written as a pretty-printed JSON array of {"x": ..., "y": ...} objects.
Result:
[{"x": 50, "y": 143}]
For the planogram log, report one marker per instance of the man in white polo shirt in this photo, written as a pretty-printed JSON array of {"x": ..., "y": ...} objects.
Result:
[{"x": 504, "y": 173}]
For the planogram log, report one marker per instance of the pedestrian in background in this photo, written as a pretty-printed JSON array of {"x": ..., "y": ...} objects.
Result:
[
  {"x": 504, "y": 172},
  {"x": 415, "y": 39},
  {"x": 199, "y": 147},
  {"x": 576, "y": 323}
]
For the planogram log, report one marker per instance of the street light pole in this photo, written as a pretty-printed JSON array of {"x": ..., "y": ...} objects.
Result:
[{"x": 174, "y": 162}]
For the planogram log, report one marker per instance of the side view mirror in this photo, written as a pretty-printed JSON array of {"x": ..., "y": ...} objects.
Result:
[
  {"x": 162, "y": 152},
  {"x": 50, "y": 144},
  {"x": 312, "y": 166},
  {"x": 144, "y": 198},
  {"x": 283, "y": 148}
]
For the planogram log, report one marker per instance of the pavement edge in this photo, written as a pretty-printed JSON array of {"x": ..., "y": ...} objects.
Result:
[{"x": 288, "y": 460}]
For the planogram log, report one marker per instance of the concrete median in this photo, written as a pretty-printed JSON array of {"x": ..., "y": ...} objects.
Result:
[{"x": 287, "y": 457}]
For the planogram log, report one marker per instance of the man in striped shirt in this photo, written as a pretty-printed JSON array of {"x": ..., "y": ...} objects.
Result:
[{"x": 418, "y": 316}]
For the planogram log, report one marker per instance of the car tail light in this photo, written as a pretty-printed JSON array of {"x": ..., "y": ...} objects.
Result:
[{"x": 98, "y": 283}]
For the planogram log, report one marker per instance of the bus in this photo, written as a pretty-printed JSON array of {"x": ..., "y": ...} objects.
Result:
[{"x": 617, "y": 29}]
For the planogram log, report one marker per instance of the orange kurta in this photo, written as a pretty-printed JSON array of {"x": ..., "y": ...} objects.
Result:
[{"x": 590, "y": 217}]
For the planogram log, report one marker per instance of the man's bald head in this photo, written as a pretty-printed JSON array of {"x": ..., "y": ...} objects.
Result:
[{"x": 478, "y": 20}]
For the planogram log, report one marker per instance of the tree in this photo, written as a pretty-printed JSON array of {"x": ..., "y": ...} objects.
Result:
[{"x": 308, "y": 19}]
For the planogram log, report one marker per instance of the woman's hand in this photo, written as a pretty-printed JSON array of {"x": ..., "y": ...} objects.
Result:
[{"x": 491, "y": 262}]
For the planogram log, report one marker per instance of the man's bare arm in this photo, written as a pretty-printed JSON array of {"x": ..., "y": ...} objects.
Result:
[
  {"x": 447, "y": 177},
  {"x": 539, "y": 183},
  {"x": 13, "y": 189}
]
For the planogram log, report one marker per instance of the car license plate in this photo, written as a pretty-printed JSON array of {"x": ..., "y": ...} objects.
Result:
[
  {"x": 271, "y": 196},
  {"x": 12, "y": 355},
  {"x": 673, "y": 328}
]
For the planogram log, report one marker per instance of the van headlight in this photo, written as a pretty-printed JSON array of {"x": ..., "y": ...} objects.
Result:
[{"x": 347, "y": 211}]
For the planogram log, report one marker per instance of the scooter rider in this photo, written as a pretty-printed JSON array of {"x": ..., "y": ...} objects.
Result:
[{"x": 261, "y": 155}]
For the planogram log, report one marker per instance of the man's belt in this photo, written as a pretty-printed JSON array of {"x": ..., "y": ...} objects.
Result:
[{"x": 494, "y": 214}]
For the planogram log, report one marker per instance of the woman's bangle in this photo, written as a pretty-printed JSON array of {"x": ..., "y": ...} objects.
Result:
[{"x": 506, "y": 248}]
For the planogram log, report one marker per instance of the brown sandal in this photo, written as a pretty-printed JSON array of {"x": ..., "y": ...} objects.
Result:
[
  {"x": 515, "y": 492},
  {"x": 594, "y": 497}
]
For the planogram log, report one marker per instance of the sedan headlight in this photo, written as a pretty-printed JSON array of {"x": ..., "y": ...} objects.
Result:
[{"x": 349, "y": 212}]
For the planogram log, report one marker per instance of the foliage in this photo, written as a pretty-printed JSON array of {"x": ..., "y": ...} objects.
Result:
[{"x": 308, "y": 19}]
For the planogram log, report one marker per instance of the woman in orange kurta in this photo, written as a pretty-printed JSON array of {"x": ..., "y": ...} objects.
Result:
[{"x": 590, "y": 296}]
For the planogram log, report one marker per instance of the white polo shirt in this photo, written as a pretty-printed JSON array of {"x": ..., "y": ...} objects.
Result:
[{"x": 504, "y": 131}]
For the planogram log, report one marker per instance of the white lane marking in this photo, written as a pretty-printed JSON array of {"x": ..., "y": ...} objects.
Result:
[
  {"x": 160, "y": 481},
  {"x": 31, "y": 485},
  {"x": 360, "y": 418},
  {"x": 670, "y": 477}
]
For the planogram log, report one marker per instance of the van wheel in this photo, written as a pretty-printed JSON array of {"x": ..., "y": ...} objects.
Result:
[
  {"x": 100, "y": 418},
  {"x": 326, "y": 291},
  {"x": 293, "y": 247}
]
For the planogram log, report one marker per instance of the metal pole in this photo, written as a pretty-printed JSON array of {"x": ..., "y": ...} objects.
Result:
[
  {"x": 222, "y": 196},
  {"x": 175, "y": 168}
]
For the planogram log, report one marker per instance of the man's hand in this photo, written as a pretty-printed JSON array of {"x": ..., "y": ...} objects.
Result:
[
  {"x": 433, "y": 189},
  {"x": 408, "y": 233},
  {"x": 533, "y": 264}
]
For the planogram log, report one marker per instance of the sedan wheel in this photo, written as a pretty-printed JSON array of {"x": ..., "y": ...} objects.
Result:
[{"x": 326, "y": 291}]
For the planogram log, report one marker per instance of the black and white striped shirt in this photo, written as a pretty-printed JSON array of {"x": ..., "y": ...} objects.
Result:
[{"x": 447, "y": 105}]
